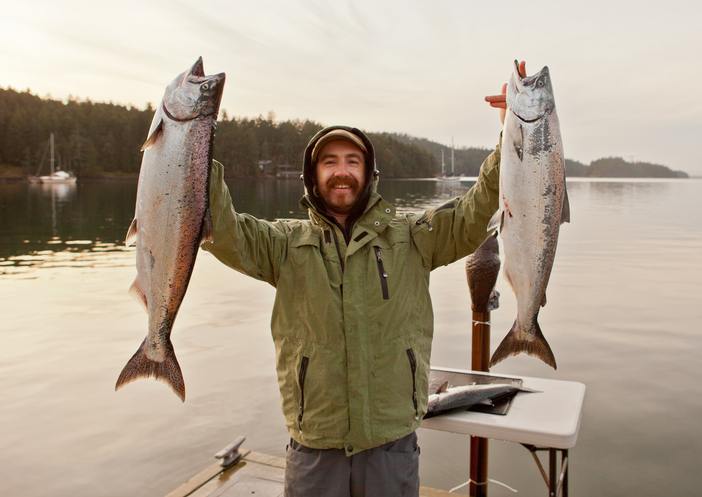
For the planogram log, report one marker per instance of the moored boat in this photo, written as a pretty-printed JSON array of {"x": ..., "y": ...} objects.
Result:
[{"x": 56, "y": 176}]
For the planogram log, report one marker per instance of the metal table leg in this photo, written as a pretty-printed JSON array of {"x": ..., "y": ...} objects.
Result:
[{"x": 557, "y": 482}]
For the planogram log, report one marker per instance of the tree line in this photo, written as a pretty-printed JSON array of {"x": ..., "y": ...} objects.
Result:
[{"x": 104, "y": 139}]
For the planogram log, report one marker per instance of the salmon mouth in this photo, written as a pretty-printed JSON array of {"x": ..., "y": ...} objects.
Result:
[
  {"x": 198, "y": 69},
  {"x": 217, "y": 97}
]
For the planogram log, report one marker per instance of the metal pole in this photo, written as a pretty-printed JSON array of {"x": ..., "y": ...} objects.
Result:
[
  {"x": 482, "y": 268},
  {"x": 52, "y": 152}
]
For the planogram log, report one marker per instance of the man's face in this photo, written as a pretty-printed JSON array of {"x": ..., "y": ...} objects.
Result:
[{"x": 340, "y": 175}]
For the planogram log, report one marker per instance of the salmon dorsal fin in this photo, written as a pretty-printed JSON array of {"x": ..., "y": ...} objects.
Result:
[
  {"x": 442, "y": 387},
  {"x": 131, "y": 233}
]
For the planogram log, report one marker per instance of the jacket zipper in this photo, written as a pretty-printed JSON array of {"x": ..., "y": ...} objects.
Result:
[
  {"x": 413, "y": 367},
  {"x": 338, "y": 250},
  {"x": 301, "y": 380},
  {"x": 383, "y": 274}
]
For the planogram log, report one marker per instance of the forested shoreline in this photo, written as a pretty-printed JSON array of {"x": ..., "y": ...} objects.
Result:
[
  {"x": 95, "y": 140},
  {"x": 103, "y": 140}
]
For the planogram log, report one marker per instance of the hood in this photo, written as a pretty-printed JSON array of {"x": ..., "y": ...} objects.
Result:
[{"x": 308, "y": 175}]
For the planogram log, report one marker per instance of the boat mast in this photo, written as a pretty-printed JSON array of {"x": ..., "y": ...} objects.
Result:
[
  {"x": 452, "y": 156},
  {"x": 52, "y": 152}
]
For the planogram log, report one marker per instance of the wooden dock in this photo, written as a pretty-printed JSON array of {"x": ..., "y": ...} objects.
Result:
[{"x": 255, "y": 475}]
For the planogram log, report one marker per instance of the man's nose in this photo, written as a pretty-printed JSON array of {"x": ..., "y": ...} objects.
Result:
[{"x": 342, "y": 170}]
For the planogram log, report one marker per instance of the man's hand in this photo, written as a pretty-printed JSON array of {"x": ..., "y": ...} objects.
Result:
[{"x": 500, "y": 101}]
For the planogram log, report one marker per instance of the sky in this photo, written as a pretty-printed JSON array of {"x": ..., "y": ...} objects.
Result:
[{"x": 626, "y": 75}]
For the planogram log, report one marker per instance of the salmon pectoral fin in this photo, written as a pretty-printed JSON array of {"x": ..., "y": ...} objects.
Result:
[
  {"x": 565, "y": 212},
  {"x": 496, "y": 221},
  {"x": 140, "y": 366},
  {"x": 131, "y": 233},
  {"x": 513, "y": 345},
  {"x": 155, "y": 131}
]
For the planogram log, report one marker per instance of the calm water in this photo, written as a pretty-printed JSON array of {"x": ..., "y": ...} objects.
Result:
[{"x": 623, "y": 316}]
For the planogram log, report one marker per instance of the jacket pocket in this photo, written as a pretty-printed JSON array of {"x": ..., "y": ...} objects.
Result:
[
  {"x": 413, "y": 368},
  {"x": 301, "y": 384},
  {"x": 382, "y": 273}
]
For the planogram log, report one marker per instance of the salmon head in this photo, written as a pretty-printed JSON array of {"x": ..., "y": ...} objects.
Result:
[
  {"x": 530, "y": 98},
  {"x": 191, "y": 95}
]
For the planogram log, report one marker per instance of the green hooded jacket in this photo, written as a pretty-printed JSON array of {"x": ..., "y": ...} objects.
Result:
[{"x": 352, "y": 320}]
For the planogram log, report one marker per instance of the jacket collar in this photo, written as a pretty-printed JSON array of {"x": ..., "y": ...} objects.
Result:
[{"x": 374, "y": 219}]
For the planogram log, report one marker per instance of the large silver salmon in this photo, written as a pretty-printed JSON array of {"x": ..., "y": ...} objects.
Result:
[
  {"x": 172, "y": 216},
  {"x": 533, "y": 205},
  {"x": 465, "y": 396}
]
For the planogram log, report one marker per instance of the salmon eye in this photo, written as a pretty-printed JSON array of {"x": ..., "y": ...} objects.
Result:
[
  {"x": 540, "y": 84},
  {"x": 205, "y": 86}
]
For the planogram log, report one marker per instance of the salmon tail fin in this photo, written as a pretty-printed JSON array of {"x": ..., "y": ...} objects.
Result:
[
  {"x": 513, "y": 345},
  {"x": 140, "y": 366}
]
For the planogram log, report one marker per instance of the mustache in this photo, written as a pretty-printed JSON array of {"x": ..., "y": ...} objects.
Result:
[{"x": 334, "y": 182}]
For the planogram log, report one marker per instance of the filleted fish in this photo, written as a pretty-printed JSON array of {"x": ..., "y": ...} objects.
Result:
[
  {"x": 172, "y": 216},
  {"x": 533, "y": 204},
  {"x": 453, "y": 398}
]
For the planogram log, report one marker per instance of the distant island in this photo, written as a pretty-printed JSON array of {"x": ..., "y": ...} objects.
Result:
[
  {"x": 102, "y": 140},
  {"x": 616, "y": 167}
]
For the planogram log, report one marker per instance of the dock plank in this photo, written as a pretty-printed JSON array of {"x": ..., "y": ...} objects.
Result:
[{"x": 255, "y": 474}]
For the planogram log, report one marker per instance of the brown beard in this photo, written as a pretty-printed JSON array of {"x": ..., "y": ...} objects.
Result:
[{"x": 330, "y": 185}]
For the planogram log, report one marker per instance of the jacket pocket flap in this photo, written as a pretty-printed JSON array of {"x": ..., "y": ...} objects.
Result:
[{"x": 303, "y": 239}]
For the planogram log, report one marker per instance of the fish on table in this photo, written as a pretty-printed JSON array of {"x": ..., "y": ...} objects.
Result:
[
  {"x": 449, "y": 399},
  {"x": 533, "y": 203},
  {"x": 172, "y": 216}
]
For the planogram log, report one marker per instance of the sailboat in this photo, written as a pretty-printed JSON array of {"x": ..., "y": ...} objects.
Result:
[
  {"x": 451, "y": 177},
  {"x": 55, "y": 177}
]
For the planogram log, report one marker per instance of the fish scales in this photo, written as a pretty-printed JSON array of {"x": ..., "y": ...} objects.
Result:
[
  {"x": 172, "y": 216},
  {"x": 533, "y": 204}
]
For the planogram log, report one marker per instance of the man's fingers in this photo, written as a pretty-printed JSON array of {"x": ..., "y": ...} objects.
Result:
[
  {"x": 498, "y": 104},
  {"x": 499, "y": 101}
]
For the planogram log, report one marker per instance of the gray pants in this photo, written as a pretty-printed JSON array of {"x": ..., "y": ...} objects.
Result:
[{"x": 389, "y": 470}]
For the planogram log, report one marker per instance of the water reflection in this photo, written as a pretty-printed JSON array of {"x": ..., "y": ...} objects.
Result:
[
  {"x": 61, "y": 218},
  {"x": 73, "y": 254},
  {"x": 59, "y": 194},
  {"x": 70, "y": 217}
]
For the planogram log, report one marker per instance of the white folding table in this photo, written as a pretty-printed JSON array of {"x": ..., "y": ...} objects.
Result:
[{"x": 548, "y": 420}]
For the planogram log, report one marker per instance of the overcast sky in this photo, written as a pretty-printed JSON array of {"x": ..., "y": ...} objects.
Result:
[{"x": 626, "y": 74}]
